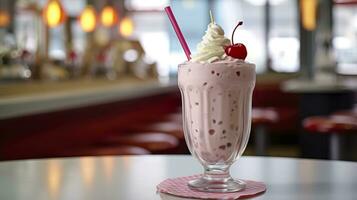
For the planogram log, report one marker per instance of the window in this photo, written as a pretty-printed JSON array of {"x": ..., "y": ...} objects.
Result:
[
  {"x": 151, "y": 30},
  {"x": 345, "y": 38},
  {"x": 284, "y": 43}
]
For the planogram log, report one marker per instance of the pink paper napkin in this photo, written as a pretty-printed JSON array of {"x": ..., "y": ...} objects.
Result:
[{"x": 178, "y": 187}]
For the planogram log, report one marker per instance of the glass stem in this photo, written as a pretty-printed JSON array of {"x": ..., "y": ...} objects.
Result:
[{"x": 217, "y": 174}]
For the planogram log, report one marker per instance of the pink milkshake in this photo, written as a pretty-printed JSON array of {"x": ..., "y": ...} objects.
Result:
[
  {"x": 216, "y": 92},
  {"x": 217, "y": 101}
]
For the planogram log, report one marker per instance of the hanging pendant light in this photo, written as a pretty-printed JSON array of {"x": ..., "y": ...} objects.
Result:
[
  {"x": 4, "y": 18},
  {"x": 53, "y": 13},
  {"x": 108, "y": 16},
  {"x": 88, "y": 19},
  {"x": 126, "y": 27},
  {"x": 308, "y": 14}
]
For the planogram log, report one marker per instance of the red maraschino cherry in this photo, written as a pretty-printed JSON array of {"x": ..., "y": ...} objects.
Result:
[{"x": 236, "y": 50}]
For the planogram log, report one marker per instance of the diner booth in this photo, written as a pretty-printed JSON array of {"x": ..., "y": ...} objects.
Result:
[{"x": 94, "y": 103}]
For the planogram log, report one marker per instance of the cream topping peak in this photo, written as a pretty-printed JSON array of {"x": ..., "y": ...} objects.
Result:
[{"x": 211, "y": 48}]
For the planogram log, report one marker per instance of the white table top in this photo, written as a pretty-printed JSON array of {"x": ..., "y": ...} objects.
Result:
[{"x": 136, "y": 177}]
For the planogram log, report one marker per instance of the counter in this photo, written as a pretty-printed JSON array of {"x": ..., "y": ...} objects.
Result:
[{"x": 21, "y": 99}]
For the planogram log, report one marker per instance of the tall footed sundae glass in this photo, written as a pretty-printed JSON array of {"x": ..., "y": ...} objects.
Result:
[{"x": 216, "y": 88}]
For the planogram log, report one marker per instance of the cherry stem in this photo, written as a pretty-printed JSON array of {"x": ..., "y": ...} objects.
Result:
[{"x": 239, "y": 23}]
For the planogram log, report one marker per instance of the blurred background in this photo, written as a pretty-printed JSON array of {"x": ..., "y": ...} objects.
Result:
[{"x": 90, "y": 77}]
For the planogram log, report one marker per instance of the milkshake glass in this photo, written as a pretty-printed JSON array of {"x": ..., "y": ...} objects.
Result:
[{"x": 217, "y": 104}]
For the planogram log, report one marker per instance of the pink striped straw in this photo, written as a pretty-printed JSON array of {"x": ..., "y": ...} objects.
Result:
[{"x": 179, "y": 34}]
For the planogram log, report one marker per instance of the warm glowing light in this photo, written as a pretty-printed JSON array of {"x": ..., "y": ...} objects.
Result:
[
  {"x": 108, "y": 16},
  {"x": 126, "y": 27},
  {"x": 87, "y": 19},
  {"x": 53, "y": 13},
  {"x": 308, "y": 14},
  {"x": 54, "y": 176},
  {"x": 4, "y": 18},
  {"x": 108, "y": 167},
  {"x": 87, "y": 166}
]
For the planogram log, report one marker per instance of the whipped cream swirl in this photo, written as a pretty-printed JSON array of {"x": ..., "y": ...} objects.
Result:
[{"x": 211, "y": 48}]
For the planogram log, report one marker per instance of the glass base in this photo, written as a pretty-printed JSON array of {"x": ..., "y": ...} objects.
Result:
[{"x": 206, "y": 184}]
